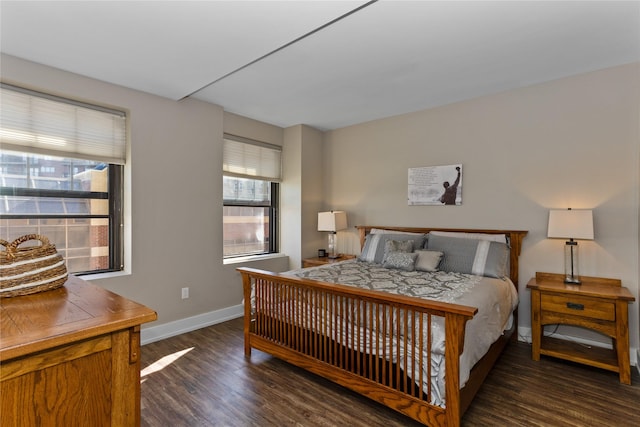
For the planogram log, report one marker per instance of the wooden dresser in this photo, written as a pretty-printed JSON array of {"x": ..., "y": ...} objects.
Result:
[{"x": 71, "y": 357}]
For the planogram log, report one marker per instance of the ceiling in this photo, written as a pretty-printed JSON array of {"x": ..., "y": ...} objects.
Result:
[{"x": 327, "y": 64}]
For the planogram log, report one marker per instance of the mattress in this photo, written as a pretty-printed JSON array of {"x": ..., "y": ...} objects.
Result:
[{"x": 494, "y": 298}]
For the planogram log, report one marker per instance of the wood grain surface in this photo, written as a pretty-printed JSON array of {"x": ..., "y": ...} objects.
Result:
[
  {"x": 203, "y": 379},
  {"x": 71, "y": 357}
]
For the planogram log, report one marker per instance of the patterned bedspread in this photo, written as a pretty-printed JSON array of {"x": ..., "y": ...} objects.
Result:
[
  {"x": 441, "y": 286},
  {"x": 495, "y": 299}
]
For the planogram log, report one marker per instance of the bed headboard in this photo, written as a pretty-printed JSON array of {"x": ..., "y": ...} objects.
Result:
[{"x": 514, "y": 236}]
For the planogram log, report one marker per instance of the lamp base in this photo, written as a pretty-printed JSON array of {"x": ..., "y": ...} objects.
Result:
[
  {"x": 332, "y": 245},
  {"x": 572, "y": 280},
  {"x": 571, "y": 263}
]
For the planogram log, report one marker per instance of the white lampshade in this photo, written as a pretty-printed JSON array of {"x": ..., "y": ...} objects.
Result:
[
  {"x": 571, "y": 224},
  {"x": 332, "y": 221}
]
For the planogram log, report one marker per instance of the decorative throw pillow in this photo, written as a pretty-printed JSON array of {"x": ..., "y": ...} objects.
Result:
[
  {"x": 398, "y": 246},
  {"x": 374, "y": 245},
  {"x": 428, "y": 260},
  {"x": 404, "y": 261},
  {"x": 471, "y": 256}
]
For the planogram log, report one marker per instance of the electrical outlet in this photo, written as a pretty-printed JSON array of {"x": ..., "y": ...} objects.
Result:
[{"x": 185, "y": 293}]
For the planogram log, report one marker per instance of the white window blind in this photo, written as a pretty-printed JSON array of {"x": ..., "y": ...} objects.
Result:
[
  {"x": 245, "y": 158},
  {"x": 34, "y": 122}
]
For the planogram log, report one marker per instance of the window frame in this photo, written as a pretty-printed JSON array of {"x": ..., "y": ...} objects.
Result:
[
  {"x": 245, "y": 158},
  {"x": 273, "y": 217},
  {"x": 114, "y": 195},
  {"x": 83, "y": 145}
]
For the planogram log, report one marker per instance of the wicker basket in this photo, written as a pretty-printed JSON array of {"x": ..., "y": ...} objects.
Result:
[{"x": 30, "y": 269}]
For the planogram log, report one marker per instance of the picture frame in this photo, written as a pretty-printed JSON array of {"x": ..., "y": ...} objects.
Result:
[{"x": 435, "y": 185}]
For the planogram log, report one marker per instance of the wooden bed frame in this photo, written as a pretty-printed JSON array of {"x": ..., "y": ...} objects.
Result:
[{"x": 284, "y": 322}]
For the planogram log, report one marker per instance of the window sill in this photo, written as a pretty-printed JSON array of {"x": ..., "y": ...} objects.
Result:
[
  {"x": 245, "y": 259},
  {"x": 109, "y": 275}
]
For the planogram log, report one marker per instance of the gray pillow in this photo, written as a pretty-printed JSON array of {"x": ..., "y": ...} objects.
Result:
[
  {"x": 404, "y": 261},
  {"x": 471, "y": 256},
  {"x": 374, "y": 245},
  {"x": 428, "y": 260}
]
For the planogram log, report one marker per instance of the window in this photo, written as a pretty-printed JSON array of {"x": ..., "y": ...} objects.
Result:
[
  {"x": 61, "y": 175},
  {"x": 250, "y": 192}
]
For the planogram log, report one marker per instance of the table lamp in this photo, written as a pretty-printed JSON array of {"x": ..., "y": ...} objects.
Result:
[
  {"x": 332, "y": 222},
  {"x": 571, "y": 224}
]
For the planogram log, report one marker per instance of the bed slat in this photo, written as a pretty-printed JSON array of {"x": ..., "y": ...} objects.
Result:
[{"x": 303, "y": 320}]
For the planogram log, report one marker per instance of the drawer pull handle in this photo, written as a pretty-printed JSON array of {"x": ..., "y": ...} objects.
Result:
[{"x": 575, "y": 306}]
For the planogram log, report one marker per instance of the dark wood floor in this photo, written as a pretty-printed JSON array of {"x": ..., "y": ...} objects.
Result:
[{"x": 202, "y": 379}]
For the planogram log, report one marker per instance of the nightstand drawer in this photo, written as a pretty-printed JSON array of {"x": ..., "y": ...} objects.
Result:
[{"x": 579, "y": 306}]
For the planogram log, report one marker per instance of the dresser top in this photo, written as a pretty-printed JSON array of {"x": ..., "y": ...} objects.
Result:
[
  {"x": 76, "y": 311},
  {"x": 598, "y": 287}
]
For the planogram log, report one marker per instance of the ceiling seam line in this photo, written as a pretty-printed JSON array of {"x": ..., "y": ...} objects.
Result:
[{"x": 323, "y": 26}]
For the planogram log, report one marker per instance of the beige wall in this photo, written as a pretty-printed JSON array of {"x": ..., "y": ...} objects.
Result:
[
  {"x": 568, "y": 143},
  {"x": 301, "y": 193},
  {"x": 174, "y": 197},
  {"x": 235, "y": 124},
  {"x": 291, "y": 195},
  {"x": 572, "y": 142}
]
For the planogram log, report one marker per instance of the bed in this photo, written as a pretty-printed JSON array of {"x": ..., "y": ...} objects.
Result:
[{"x": 393, "y": 342}]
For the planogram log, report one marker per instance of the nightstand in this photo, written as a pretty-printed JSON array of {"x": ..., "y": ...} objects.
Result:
[
  {"x": 312, "y": 262},
  {"x": 599, "y": 304}
]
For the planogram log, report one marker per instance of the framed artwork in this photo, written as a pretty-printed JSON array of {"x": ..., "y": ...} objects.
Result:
[{"x": 435, "y": 185}]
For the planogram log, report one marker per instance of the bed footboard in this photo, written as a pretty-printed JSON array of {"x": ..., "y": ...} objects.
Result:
[{"x": 374, "y": 343}]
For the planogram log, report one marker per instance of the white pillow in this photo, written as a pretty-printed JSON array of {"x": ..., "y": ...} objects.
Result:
[
  {"x": 428, "y": 260},
  {"x": 502, "y": 238},
  {"x": 383, "y": 231}
]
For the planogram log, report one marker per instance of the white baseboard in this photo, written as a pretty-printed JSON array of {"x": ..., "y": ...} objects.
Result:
[
  {"x": 177, "y": 327},
  {"x": 524, "y": 334}
]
